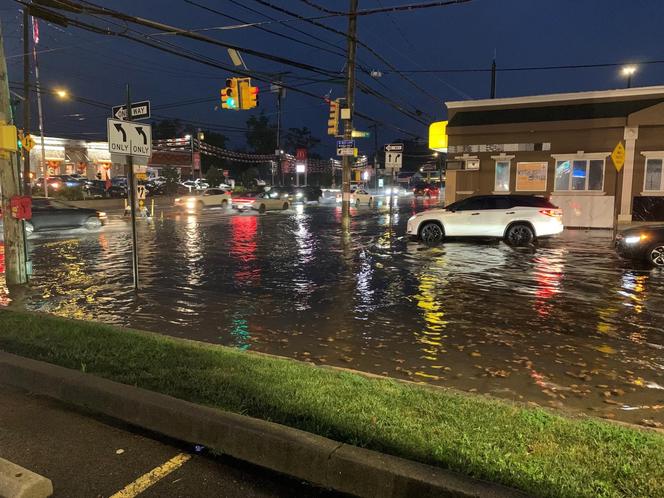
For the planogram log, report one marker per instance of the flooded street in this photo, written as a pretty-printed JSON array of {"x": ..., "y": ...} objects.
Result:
[{"x": 567, "y": 324}]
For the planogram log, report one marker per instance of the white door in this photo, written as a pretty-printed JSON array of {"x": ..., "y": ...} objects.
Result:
[
  {"x": 467, "y": 220},
  {"x": 496, "y": 216}
]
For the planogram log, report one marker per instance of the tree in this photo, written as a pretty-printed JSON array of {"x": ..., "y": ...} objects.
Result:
[
  {"x": 249, "y": 176},
  {"x": 301, "y": 138},
  {"x": 261, "y": 135},
  {"x": 172, "y": 177},
  {"x": 214, "y": 177},
  {"x": 167, "y": 128}
]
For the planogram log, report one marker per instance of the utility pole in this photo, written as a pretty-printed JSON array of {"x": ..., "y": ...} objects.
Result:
[
  {"x": 280, "y": 97},
  {"x": 26, "y": 97},
  {"x": 350, "y": 104},
  {"x": 132, "y": 203},
  {"x": 375, "y": 161},
  {"x": 14, "y": 236},
  {"x": 44, "y": 168},
  {"x": 493, "y": 79}
]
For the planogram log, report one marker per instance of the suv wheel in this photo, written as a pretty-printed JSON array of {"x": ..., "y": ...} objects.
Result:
[
  {"x": 519, "y": 234},
  {"x": 431, "y": 233},
  {"x": 656, "y": 255}
]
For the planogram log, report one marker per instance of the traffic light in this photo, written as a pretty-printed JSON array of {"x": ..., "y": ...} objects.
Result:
[
  {"x": 333, "y": 121},
  {"x": 248, "y": 94},
  {"x": 230, "y": 94}
]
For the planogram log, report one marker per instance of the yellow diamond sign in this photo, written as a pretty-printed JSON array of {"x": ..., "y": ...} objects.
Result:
[{"x": 618, "y": 156}]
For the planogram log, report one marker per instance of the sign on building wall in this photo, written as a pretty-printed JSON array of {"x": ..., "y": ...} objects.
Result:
[{"x": 531, "y": 177}]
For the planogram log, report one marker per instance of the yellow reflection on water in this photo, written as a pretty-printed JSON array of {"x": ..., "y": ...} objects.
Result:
[{"x": 432, "y": 335}]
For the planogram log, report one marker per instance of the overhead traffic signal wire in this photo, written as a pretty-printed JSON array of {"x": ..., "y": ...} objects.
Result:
[
  {"x": 91, "y": 8},
  {"x": 175, "y": 49},
  {"x": 180, "y": 52}
]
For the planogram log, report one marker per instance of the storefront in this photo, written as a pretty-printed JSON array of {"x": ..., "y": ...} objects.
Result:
[{"x": 559, "y": 146}]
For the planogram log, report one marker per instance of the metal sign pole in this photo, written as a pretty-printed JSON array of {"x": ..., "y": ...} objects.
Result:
[{"x": 132, "y": 203}]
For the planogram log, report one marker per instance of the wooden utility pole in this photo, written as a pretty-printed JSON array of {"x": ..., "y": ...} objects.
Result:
[
  {"x": 350, "y": 104},
  {"x": 26, "y": 98},
  {"x": 14, "y": 236}
]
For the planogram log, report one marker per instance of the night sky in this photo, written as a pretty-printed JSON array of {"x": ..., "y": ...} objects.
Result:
[{"x": 521, "y": 33}]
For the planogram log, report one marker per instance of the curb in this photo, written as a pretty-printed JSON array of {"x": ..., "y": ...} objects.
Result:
[
  {"x": 338, "y": 466},
  {"x": 17, "y": 482}
]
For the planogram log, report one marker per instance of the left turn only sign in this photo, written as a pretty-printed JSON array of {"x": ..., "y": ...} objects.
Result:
[{"x": 129, "y": 139}]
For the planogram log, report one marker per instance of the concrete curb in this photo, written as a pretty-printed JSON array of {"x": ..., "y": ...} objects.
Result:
[
  {"x": 17, "y": 482},
  {"x": 312, "y": 458}
]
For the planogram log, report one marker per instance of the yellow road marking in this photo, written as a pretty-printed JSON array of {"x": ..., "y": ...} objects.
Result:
[{"x": 152, "y": 477}]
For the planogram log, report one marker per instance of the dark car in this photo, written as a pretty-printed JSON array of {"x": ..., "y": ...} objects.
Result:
[
  {"x": 642, "y": 243},
  {"x": 426, "y": 190},
  {"x": 98, "y": 188},
  {"x": 49, "y": 214},
  {"x": 307, "y": 193}
]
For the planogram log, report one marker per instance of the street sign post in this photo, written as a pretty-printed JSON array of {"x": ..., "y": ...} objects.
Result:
[
  {"x": 139, "y": 110},
  {"x": 393, "y": 156},
  {"x": 129, "y": 139},
  {"x": 345, "y": 147},
  {"x": 618, "y": 158}
]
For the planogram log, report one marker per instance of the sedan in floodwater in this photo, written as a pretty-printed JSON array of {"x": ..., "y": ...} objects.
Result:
[
  {"x": 642, "y": 243},
  {"x": 517, "y": 219},
  {"x": 259, "y": 201},
  {"x": 49, "y": 214},
  {"x": 210, "y": 197}
]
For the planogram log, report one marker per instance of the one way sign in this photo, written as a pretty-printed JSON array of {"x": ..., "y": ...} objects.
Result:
[
  {"x": 139, "y": 110},
  {"x": 129, "y": 138}
]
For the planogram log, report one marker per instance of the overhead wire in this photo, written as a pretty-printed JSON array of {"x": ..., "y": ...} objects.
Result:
[{"x": 180, "y": 51}]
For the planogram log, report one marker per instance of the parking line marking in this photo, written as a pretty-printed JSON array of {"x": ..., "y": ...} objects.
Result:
[{"x": 152, "y": 477}]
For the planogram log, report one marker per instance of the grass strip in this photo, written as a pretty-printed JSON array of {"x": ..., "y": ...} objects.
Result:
[{"x": 531, "y": 449}]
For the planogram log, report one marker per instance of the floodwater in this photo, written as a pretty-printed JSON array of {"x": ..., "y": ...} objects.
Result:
[{"x": 567, "y": 324}]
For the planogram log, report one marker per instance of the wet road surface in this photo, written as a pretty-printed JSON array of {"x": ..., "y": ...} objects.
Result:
[{"x": 566, "y": 324}]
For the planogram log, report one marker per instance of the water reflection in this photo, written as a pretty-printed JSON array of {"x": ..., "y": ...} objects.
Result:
[{"x": 564, "y": 318}]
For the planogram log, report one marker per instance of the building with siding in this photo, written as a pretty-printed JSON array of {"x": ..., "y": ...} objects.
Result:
[{"x": 559, "y": 146}]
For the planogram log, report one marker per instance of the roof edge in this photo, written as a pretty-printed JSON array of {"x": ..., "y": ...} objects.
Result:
[{"x": 558, "y": 97}]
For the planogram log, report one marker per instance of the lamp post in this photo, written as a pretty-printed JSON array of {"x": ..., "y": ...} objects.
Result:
[{"x": 628, "y": 71}]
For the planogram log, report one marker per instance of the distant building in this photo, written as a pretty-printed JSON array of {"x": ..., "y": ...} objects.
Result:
[
  {"x": 68, "y": 156},
  {"x": 560, "y": 146}
]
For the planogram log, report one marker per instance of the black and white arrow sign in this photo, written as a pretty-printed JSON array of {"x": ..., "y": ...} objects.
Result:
[{"x": 129, "y": 139}]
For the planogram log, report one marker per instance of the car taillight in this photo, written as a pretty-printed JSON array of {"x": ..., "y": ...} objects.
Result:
[{"x": 554, "y": 213}]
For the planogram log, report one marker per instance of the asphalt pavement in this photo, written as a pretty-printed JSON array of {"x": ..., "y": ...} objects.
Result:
[{"x": 85, "y": 456}]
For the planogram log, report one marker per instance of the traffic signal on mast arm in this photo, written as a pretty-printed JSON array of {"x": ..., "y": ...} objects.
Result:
[
  {"x": 230, "y": 94},
  {"x": 333, "y": 121},
  {"x": 248, "y": 94}
]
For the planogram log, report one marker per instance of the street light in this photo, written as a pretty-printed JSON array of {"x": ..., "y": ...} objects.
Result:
[
  {"x": 628, "y": 71},
  {"x": 61, "y": 93}
]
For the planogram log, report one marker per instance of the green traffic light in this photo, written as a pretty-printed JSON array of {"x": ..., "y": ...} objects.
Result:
[{"x": 231, "y": 103}]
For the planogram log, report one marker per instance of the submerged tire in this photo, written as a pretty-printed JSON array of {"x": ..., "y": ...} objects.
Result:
[
  {"x": 519, "y": 235},
  {"x": 431, "y": 233}
]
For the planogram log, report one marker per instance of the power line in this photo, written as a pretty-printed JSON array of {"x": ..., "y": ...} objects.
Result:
[
  {"x": 338, "y": 52},
  {"x": 383, "y": 10},
  {"x": 528, "y": 68},
  {"x": 359, "y": 42},
  {"x": 363, "y": 69}
]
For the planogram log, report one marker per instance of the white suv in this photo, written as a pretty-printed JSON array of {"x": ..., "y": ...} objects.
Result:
[{"x": 518, "y": 219}]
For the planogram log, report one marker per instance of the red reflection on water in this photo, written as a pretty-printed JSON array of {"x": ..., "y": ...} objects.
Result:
[
  {"x": 243, "y": 248},
  {"x": 2, "y": 257},
  {"x": 547, "y": 277}
]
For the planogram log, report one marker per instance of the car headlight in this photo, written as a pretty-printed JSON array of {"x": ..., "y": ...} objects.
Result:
[
  {"x": 635, "y": 239},
  {"x": 299, "y": 194},
  {"x": 101, "y": 214},
  {"x": 177, "y": 199}
]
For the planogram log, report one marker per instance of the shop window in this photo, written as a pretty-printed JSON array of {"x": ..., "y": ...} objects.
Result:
[
  {"x": 502, "y": 181},
  {"x": 654, "y": 178},
  {"x": 580, "y": 175}
]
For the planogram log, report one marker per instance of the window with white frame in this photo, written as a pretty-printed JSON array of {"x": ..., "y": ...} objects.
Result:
[
  {"x": 654, "y": 179},
  {"x": 502, "y": 181},
  {"x": 580, "y": 175}
]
